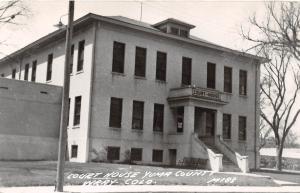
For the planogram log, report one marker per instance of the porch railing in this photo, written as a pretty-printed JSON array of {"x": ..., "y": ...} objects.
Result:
[{"x": 241, "y": 161}]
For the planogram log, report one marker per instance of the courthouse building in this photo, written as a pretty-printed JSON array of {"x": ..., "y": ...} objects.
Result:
[{"x": 154, "y": 92}]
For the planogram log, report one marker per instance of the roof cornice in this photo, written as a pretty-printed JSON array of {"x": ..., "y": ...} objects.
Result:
[{"x": 93, "y": 17}]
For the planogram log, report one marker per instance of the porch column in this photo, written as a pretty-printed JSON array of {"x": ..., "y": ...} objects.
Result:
[
  {"x": 189, "y": 120},
  {"x": 219, "y": 123}
]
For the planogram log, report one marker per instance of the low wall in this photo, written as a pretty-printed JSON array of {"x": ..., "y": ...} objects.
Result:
[
  {"x": 29, "y": 121},
  {"x": 17, "y": 147},
  {"x": 287, "y": 163}
]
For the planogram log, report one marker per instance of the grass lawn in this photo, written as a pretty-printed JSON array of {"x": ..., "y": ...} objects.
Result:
[{"x": 38, "y": 173}]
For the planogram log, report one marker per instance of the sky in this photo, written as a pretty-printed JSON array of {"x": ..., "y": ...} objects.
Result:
[{"x": 216, "y": 21}]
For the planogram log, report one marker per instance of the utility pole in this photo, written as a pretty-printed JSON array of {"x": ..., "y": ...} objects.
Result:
[{"x": 65, "y": 104}]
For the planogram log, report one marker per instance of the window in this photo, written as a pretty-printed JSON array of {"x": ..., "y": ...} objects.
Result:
[
  {"x": 243, "y": 82},
  {"x": 180, "y": 116},
  {"x": 211, "y": 75},
  {"x": 140, "y": 61},
  {"x": 184, "y": 33},
  {"x": 80, "y": 55},
  {"x": 49, "y": 67},
  {"x": 74, "y": 151},
  {"x": 113, "y": 153},
  {"x": 72, "y": 59},
  {"x": 157, "y": 155},
  {"x": 227, "y": 79},
  {"x": 137, "y": 115},
  {"x": 26, "y": 72},
  {"x": 174, "y": 31},
  {"x": 13, "y": 73},
  {"x": 77, "y": 110},
  {"x": 136, "y": 154},
  {"x": 226, "y": 126},
  {"x": 161, "y": 66},
  {"x": 33, "y": 71},
  {"x": 118, "y": 57},
  {"x": 186, "y": 71},
  {"x": 242, "y": 128},
  {"x": 115, "y": 117},
  {"x": 158, "y": 119}
]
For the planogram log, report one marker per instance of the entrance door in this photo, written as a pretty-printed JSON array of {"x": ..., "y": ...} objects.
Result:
[
  {"x": 210, "y": 123},
  {"x": 172, "y": 156}
]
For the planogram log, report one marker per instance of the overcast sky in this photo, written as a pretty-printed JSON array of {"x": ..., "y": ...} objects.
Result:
[{"x": 215, "y": 21}]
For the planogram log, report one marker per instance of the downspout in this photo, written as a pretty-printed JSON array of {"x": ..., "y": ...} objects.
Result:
[{"x": 95, "y": 26}]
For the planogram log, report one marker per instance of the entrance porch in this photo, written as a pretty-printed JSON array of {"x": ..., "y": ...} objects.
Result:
[{"x": 198, "y": 116}]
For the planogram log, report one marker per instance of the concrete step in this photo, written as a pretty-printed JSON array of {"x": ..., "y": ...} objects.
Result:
[{"x": 228, "y": 165}]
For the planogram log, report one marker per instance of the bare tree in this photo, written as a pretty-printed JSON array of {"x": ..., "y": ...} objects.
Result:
[
  {"x": 264, "y": 134},
  {"x": 291, "y": 140},
  {"x": 10, "y": 10},
  {"x": 280, "y": 87},
  {"x": 277, "y": 38}
]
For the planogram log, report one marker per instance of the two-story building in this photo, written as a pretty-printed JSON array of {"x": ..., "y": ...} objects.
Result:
[{"x": 153, "y": 92}]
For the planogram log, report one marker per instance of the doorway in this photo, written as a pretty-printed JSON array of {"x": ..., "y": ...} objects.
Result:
[
  {"x": 172, "y": 156},
  {"x": 205, "y": 123}
]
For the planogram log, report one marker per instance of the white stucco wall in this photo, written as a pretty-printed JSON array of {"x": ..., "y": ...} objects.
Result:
[
  {"x": 125, "y": 86},
  {"x": 93, "y": 134}
]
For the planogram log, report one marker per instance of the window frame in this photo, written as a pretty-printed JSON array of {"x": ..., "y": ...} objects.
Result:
[
  {"x": 13, "y": 73},
  {"x": 161, "y": 66},
  {"x": 186, "y": 72},
  {"x": 26, "y": 71},
  {"x": 49, "y": 67},
  {"x": 137, "y": 116},
  {"x": 118, "y": 60},
  {"x": 110, "y": 153},
  {"x": 113, "y": 116},
  {"x": 211, "y": 75},
  {"x": 158, "y": 117},
  {"x": 33, "y": 70},
  {"x": 243, "y": 76},
  {"x": 74, "y": 153},
  {"x": 77, "y": 110},
  {"x": 184, "y": 33},
  {"x": 226, "y": 117},
  {"x": 136, "y": 156},
  {"x": 140, "y": 61},
  {"x": 180, "y": 116},
  {"x": 242, "y": 135},
  {"x": 227, "y": 79},
  {"x": 174, "y": 30},
  {"x": 157, "y": 158},
  {"x": 80, "y": 56}
]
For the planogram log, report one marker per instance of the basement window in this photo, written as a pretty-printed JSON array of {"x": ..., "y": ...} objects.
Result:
[
  {"x": 113, "y": 153},
  {"x": 74, "y": 151},
  {"x": 157, "y": 155},
  {"x": 136, "y": 154}
]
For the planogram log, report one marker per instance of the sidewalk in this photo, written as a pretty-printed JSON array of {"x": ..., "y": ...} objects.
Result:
[{"x": 151, "y": 188}]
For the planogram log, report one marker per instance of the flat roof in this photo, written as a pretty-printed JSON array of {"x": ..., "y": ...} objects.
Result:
[{"x": 125, "y": 22}]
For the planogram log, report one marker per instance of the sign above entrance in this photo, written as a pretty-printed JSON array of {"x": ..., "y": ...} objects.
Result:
[{"x": 200, "y": 92}]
